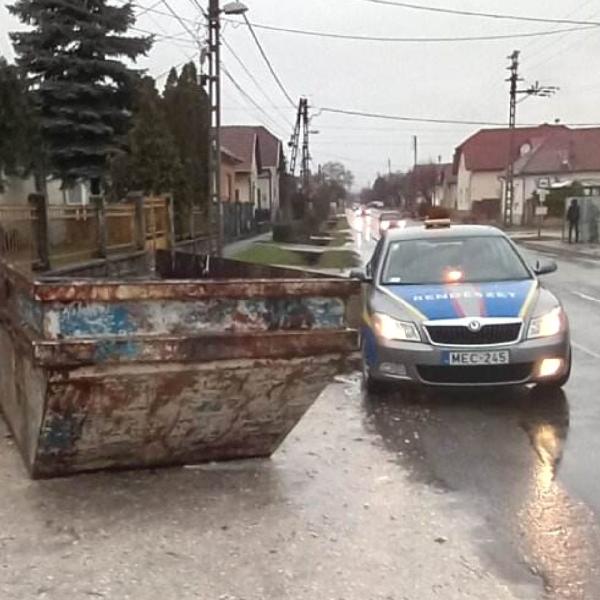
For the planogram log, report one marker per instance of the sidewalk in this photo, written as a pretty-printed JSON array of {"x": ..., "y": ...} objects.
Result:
[
  {"x": 233, "y": 248},
  {"x": 550, "y": 242}
]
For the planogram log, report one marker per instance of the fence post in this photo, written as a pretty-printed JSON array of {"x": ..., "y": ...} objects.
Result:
[
  {"x": 40, "y": 230},
  {"x": 171, "y": 223},
  {"x": 100, "y": 203},
  {"x": 140, "y": 223}
]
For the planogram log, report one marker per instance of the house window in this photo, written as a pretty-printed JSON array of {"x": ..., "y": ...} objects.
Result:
[
  {"x": 77, "y": 195},
  {"x": 237, "y": 194},
  {"x": 259, "y": 197}
]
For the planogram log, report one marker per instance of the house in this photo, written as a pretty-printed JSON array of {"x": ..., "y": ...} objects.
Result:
[
  {"x": 444, "y": 193},
  {"x": 273, "y": 166},
  {"x": 257, "y": 176},
  {"x": 565, "y": 156},
  {"x": 16, "y": 190},
  {"x": 242, "y": 142},
  {"x": 480, "y": 164},
  {"x": 229, "y": 163}
]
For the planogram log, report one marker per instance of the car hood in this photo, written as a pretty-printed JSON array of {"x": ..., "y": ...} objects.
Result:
[{"x": 510, "y": 299}]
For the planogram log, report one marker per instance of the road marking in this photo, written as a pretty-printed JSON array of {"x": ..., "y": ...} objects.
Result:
[
  {"x": 585, "y": 350},
  {"x": 586, "y": 297}
]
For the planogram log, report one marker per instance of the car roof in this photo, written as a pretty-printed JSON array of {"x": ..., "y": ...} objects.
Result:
[{"x": 420, "y": 232}]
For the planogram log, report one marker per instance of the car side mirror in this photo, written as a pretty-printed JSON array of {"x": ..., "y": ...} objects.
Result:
[
  {"x": 361, "y": 275},
  {"x": 543, "y": 267}
]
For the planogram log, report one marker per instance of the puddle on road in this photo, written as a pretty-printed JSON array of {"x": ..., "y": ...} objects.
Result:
[{"x": 499, "y": 452}]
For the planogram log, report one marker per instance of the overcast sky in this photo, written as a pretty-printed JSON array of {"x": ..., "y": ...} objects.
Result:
[{"x": 458, "y": 80}]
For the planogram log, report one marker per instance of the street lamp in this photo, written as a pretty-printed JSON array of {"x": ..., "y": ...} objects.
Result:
[
  {"x": 235, "y": 8},
  {"x": 214, "y": 94}
]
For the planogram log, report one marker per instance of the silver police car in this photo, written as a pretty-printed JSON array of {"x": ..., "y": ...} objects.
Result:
[{"x": 457, "y": 305}]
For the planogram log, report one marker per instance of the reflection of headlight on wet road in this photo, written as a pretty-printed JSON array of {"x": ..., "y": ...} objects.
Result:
[{"x": 548, "y": 446}]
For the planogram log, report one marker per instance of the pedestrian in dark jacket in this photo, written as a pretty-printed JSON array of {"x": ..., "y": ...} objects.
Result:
[{"x": 573, "y": 219}]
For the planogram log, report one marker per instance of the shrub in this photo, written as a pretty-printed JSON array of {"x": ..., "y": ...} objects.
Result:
[
  {"x": 438, "y": 212},
  {"x": 284, "y": 233}
]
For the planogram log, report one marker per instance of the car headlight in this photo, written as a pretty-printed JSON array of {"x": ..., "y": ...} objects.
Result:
[
  {"x": 547, "y": 325},
  {"x": 392, "y": 329}
]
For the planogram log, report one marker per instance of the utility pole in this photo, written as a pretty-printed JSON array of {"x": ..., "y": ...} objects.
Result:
[
  {"x": 215, "y": 208},
  {"x": 389, "y": 166},
  {"x": 415, "y": 150},
  {"x": 301, "y": 128},
  {"x": 295, "y": 141},
  {"x": 214, "y": 162},
  {"x": 534, "y": 90},
  {"x": 305, "y": 167}
]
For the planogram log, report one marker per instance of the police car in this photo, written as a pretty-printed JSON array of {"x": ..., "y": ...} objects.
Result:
[{"x": 454, "y": 305}]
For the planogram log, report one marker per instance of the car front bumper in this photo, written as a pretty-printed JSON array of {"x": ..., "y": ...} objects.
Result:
[{"x": 424, "y": 363}]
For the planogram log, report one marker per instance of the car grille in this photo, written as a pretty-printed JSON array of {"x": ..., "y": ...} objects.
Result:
[
  {"x": 516, "y": 373},
  {"x": 459, "y": 335}
]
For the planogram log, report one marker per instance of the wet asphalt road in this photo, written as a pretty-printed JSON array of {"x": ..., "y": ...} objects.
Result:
[{"x": 527, "y": 461}]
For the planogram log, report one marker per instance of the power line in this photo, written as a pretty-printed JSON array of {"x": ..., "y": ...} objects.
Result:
[
  {"x": 269, "y": 65},
  {"x": 357, "y": 113},
  {"x": 183, "y": 24},
  {"x": 167, "y": 71},
  {"x": 253, "y": 79},
  {"x": 247, "y": 96},
  {"x": 389, "y": 39},
  {"x": 385, "y": 39},
  {"x": 164, "y": 36},
  {"x": 472, "y": 13}
]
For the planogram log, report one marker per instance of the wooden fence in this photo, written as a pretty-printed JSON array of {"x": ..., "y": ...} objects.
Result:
[{"x": 36, "y": 237}]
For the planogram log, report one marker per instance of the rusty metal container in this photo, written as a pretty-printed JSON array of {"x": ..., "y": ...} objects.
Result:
[{"x": 203, "y": 361}]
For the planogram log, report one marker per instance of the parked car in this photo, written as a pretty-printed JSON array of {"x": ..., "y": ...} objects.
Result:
[
  {"x": 459, "y": 305},
  {"x": 386, "y": 221}
]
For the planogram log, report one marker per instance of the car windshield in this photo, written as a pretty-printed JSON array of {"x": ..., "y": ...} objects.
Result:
[{"x": 452, "y": 260}]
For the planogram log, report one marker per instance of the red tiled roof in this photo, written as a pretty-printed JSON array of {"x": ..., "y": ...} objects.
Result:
[
  {"x": 240, "y": 138},
  {"x": 228, "y": 155},
  {"x": 565, "y": 151},
  {"x": 241, "y": 141},
  {"x": 270, "y": 147},
  {"x": 488, "y": 149}
]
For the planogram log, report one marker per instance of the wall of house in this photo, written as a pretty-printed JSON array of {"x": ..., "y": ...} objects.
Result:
[
  {"x": 268, "y": 184},
  {"x": 476, "y": 186},
  {"x": 243, "y": 187},
  {"x": 486, "y": 185},
  {"x": 17, "y": 190},
  {"x": 463, "y": 186},
  {"x": 228, "y": 182},
  {"x": 531, "y": 181}
]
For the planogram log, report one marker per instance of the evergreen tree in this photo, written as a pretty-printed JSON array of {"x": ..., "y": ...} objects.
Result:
[
  {"x": 187, "y": 111},
  {"x": 152, "y": 164},
  {"x": 73, "y": 56},
  {"x": 17, "y": 124}
]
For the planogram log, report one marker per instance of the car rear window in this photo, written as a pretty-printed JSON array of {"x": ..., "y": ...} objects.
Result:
[{"x": 452, "y": 260}]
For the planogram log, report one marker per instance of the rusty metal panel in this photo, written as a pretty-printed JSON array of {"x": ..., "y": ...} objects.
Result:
[
  {"x": 114, "y": 291},
  {"x": 95, "y": 319},
  {"x": 60, "y": 354},
  {"x": 148, "y": 415}
]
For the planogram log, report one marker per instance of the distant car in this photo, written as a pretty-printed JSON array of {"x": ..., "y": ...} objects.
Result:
[
  {"x": 458, "y": 305},
  {"x": 385, "y": 221},
  {"x": 375, "y": 204}
]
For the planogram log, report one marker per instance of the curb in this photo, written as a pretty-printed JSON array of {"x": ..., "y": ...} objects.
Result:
[{"x": 563, "y": 253}]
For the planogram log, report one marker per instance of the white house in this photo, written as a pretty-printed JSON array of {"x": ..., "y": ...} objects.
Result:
[{"x": 480, "y": 163}]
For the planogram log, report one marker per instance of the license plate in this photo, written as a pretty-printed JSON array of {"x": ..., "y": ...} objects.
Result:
[{"x": 471, "y": 359}]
